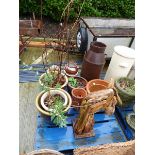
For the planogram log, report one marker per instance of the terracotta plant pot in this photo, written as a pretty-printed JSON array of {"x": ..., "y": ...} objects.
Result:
[
  {"x": 81, "y": 83},
  {"x": 78, "y": 94},
  {"x": 96, "y": 85},
  {"x": 47, "y": 113},
  {"x": 62, "y": 86},
  {"x": 53, "y": 92}
]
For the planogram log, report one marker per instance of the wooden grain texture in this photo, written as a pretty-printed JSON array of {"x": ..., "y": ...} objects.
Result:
[{"x": 106, "y": 128}]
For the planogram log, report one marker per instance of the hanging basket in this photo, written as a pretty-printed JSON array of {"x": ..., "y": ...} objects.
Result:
[
  {"x": 123, "y": 148},
  {"x": 44, "y": 152},
  {"x": 127, "y": 95}
]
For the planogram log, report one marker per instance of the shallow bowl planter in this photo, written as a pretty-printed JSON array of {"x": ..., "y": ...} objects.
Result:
[
  {"x": 62, "y": 86},
  {"x": 47, "y": 113},
  {"x": 82, "y": 81},
  {"x": 96, "y": 85},
  {"x": 78, "y": 94},
  {"x": 126, "y": 97},
  {"x": 53, "y": 92}
]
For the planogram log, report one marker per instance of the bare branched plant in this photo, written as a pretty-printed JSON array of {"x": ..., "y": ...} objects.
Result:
[{"x": 63, "y": 43}]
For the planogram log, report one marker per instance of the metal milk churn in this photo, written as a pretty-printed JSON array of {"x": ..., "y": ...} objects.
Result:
[{"x": 94, "y": 61}]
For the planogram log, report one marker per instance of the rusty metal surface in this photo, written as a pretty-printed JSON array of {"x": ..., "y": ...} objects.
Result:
[
  {"x": 30, "y": 27},
  {"x": 23, "y": 43}
]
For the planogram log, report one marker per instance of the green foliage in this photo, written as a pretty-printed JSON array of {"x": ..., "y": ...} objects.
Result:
[
  {"x": 58, "y": 85},
  {"x": 73, "y": 82},
  {"x": 127, "y": 84},
  {"x": 99, "y": 8},
  {"x": 58, "y": 115},
  {"x": 48, "y": 80}
]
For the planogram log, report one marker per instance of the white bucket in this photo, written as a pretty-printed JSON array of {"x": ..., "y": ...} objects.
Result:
[{"x": 121, "y": 62}]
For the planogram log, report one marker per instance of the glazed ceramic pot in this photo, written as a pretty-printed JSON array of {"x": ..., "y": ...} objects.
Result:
[
  {"x": 81, "y": 83},
  {"x": 62, "y": 86},
  {"x": 52, "y": 93},
  {"x": 93, "y": 61},
  {"x": 96, "y": 85},
  {"x": 78, "y": 94},
  {"x": 71, "y": 69},
  {"x": 47, "y": 113}
]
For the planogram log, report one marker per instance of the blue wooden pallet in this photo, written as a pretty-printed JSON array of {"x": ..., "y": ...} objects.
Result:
[
  {"x": 31, "y": 73},
  {"x": 106, "y": 128},
  {"x": 121, "y": 114}
]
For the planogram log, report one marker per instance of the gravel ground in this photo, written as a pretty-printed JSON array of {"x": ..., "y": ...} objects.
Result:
[{"x": 27, "y": 115}]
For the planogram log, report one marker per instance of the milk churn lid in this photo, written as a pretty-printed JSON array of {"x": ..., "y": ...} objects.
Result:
[{"x": 125, "y": 51}]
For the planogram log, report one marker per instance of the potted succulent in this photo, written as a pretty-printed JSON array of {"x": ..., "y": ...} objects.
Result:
[
  {"x": 54, "y": 103},
  {"x": 53, "y": 79},
  {"x": 47, "y": 113},
  {"x": 96, "y": 85},
  {"x": 126, "y": 90},
  {"x": 51, "y": 97},
  {"x": 76, "y": 82}
]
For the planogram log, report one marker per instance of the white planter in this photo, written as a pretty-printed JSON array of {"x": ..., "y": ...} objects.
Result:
[
  {"x": 121, "y": 62},
  {"x": 53, "y": 92},
  {"x": 65, "y": 84}
]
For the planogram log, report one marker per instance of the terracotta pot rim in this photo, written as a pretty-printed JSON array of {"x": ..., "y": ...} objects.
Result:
[
  {"x": 91, "y": 81},
  {"x": 82, "y": 89}
]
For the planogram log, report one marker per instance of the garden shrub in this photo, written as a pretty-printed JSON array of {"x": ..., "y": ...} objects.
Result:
[{"x": 99, "y": 8}]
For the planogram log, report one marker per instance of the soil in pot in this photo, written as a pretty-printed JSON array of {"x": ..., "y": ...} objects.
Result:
[
  {"x": 51, "y": 100},
  {"x": 96, "y": 87}
]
